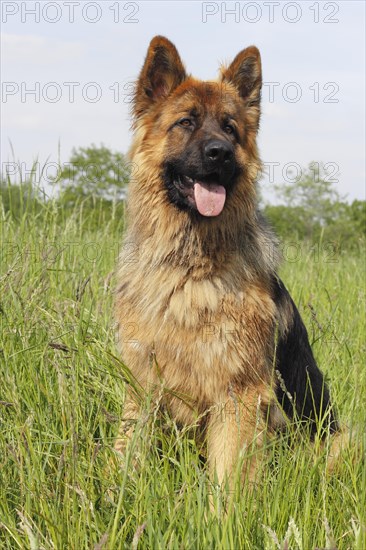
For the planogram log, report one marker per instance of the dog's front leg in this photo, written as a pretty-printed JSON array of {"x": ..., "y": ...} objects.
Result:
[
  {"x": 131, "y": 413},
  {"x": 236, "y": 428}
]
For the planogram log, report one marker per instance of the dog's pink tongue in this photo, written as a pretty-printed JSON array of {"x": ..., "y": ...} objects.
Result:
[{"x": 210, "y": 198}]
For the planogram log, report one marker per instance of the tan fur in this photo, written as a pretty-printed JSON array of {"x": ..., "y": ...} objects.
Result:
[{"x": 198, "y": 298}]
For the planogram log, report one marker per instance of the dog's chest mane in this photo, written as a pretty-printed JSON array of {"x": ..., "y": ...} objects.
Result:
[{"x": 188, "y": 290}]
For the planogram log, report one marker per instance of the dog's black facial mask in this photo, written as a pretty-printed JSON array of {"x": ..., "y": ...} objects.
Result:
[
  {"x": 200, "y": 178},
  {"x": 201, "y": 167}
]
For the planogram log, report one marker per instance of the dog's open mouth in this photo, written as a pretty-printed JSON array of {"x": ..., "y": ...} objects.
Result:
[{"x": 204, "y": 194}]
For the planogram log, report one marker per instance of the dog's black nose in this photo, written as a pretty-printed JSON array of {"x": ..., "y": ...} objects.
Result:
[{"x": 217, "y": 151}]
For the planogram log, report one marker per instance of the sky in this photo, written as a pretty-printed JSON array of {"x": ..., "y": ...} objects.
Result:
[{"x": 68, "y": 68}]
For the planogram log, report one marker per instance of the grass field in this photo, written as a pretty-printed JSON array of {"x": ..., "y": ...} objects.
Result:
[{"x": 61, "y": 397}]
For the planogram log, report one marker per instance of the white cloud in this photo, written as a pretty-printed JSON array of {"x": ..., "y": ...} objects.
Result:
[
  {"x": 273, "y": 110},
  {"x": 39, "y": 50},
  {"x": 26, "y": 122}
]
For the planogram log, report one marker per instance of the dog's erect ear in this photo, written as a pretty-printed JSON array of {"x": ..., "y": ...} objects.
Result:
[
  {"x": 245, "y": 72},
  {"x": 162, "y": 72}
]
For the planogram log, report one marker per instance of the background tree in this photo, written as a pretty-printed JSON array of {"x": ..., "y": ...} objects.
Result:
[
  {"x": 313, "y": 192},
  {"x": 93, "y": 171},
  {"x": 311, "y": 208}
]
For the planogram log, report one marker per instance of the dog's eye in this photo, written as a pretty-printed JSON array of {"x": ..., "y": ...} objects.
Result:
[
  {"x": 185, "y": 122},
  {"x": 228, "y": 129}
]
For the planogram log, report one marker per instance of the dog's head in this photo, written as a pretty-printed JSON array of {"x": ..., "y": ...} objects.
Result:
[{"x": 200, "y": 136}]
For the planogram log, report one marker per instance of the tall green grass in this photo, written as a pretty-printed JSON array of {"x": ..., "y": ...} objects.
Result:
[{"x": 61, "y": 398}]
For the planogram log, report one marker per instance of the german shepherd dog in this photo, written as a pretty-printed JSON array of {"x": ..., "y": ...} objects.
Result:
[{"x": 204, "y": 320}]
